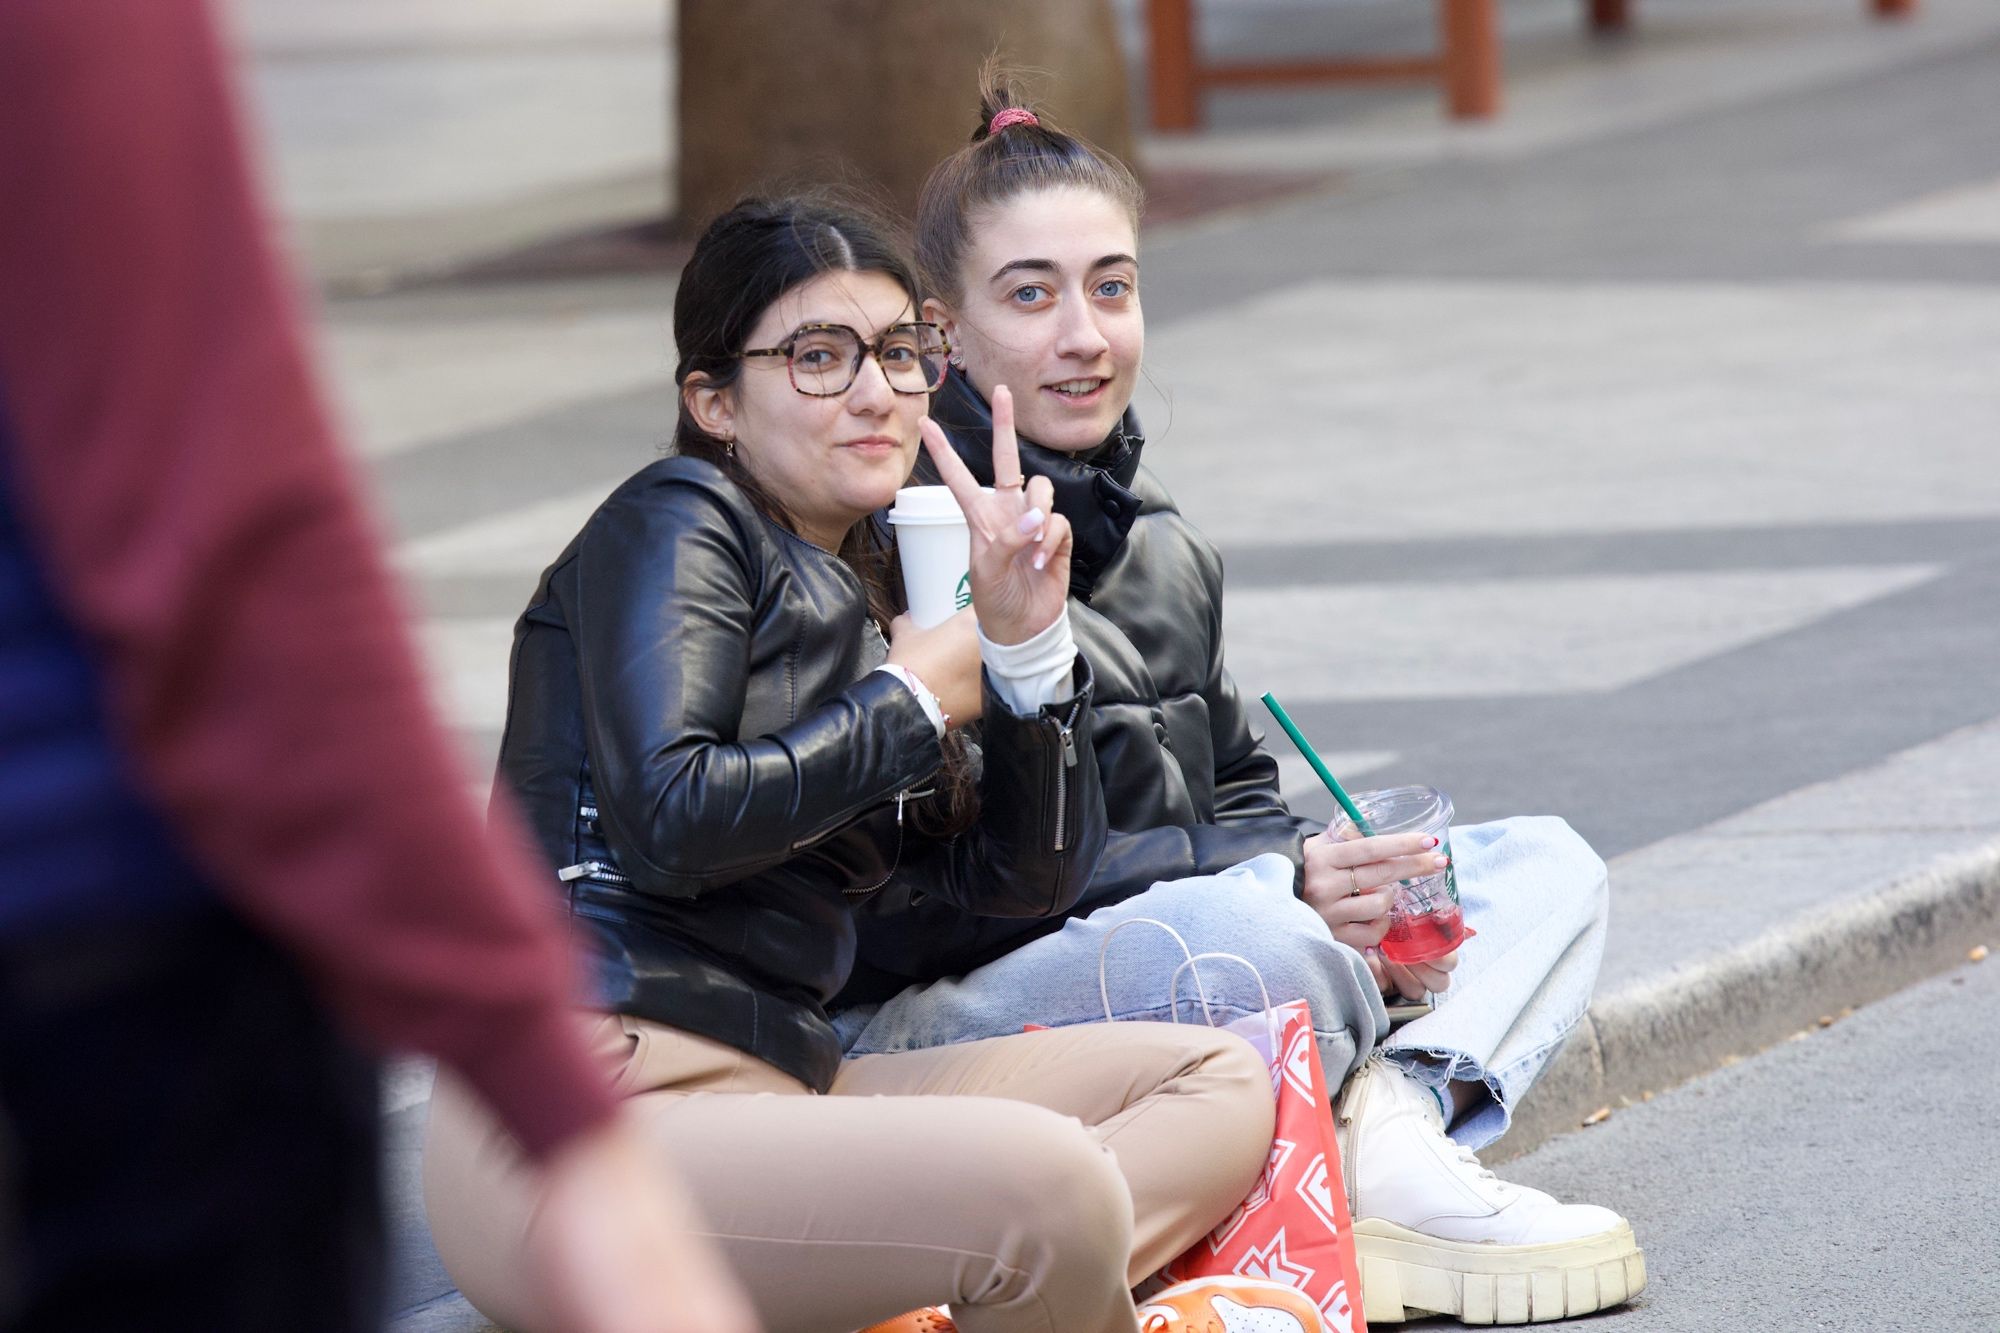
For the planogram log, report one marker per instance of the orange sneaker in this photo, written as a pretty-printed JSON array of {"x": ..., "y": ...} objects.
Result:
[
  {"x": 930, "y": 1319},
  {"x": 1230, "y": 1305}
]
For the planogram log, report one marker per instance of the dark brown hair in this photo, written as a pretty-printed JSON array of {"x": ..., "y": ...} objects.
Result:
[
  {"x": 994, "y": 168},
  {"x": 745, "y": 260}
]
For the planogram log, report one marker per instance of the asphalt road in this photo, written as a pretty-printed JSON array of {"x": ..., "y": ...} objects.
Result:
[{"x": 1842, "y": 1180}]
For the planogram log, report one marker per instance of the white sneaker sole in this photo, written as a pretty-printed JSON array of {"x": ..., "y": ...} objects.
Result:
[{"x": 1408, "y": 1275}]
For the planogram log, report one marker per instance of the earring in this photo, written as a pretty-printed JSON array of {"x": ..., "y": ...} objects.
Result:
[
  {"x": 729, "y": 446},
  {"x": 957, "y": 359}
]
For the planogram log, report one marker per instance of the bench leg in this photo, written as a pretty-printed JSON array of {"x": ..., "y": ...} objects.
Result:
[
  {"x": 1610, "y": 15},
  {"x": 1170, "y": 59},
  {"x": 1469, "y": 31}
]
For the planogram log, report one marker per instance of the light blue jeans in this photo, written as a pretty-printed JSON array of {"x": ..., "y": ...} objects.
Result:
[{"x": 1534, "y": 892}]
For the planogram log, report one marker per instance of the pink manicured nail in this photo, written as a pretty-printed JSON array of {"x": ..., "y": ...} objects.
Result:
[
  {"x": 1030, "y": 520},
  {"x": 1440, "y": 861},
  {"x": 1430, "y": 842},
  {"x": 1041, "y": 559}
]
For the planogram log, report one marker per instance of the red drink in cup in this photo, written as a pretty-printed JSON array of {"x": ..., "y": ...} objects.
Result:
[
  {"x": 1418, "y": 939},
  {"x": 1425, "y": 920}
]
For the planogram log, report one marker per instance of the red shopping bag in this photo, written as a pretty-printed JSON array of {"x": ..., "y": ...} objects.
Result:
[{"x": 1293, "y": 1227}]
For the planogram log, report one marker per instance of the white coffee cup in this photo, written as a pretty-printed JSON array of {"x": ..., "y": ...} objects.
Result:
[{"x": 936, "y": 547}]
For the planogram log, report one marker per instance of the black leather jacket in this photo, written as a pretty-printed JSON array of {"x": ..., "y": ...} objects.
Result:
[
  {"x": 703, "y": 749},
  {"x": 1188, "y": 786}
]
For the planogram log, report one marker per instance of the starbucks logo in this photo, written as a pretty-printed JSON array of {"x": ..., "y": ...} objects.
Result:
[{"x": 963, "y": 597}]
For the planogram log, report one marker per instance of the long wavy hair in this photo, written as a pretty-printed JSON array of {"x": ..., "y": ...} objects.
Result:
[{"x": 745, "y": 261}]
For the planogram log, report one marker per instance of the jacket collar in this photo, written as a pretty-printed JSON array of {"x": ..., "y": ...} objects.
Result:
[{"x": 1093, "y": 492}]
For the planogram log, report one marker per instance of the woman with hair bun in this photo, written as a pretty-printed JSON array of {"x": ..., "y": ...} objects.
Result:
[{"x": 1027, "y": 238}]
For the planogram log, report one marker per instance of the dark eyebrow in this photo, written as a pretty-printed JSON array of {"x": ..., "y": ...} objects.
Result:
[
  {"x": 1050, "y": 266},
  {"x": 1027, "y": 265}
]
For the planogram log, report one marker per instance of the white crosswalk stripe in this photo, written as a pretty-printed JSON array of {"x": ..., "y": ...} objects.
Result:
[{"x": 1483, "y": 639}]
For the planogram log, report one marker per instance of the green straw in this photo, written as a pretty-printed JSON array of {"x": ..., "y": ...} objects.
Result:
[{"x": 1318, "y": 765}]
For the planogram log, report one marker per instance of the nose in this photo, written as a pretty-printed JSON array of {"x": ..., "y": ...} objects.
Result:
[
  {"x": 1077, "y": 334},
  {"x": 870, "y": 394}
]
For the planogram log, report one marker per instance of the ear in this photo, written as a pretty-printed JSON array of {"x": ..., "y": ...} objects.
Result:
[
  {"x": 713, "y": 407},
  {"x": 940, "y": 314}
]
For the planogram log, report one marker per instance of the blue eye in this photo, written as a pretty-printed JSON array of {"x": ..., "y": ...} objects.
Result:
[
  {"x": 1032, "y": 294},
  {"x": 1113, "y": 288}
]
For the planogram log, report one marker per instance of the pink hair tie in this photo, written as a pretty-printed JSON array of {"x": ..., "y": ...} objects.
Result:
[{"x": 1013, "y": 115}]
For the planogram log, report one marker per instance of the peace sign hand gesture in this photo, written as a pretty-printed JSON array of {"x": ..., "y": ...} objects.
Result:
[{"x": 1020, "y": 545}]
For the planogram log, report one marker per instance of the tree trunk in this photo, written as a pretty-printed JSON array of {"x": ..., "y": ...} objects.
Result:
[{"x": 775, "y": 94}]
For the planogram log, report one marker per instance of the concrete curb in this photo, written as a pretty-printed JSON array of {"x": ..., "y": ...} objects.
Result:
[{"x": 1662, "y": 1030}]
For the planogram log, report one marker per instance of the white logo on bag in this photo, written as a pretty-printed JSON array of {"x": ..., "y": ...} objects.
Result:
[
  {"x": 1316, "y": 1188},
  {"x": 1336, "y": 1311},
  {"x": 1273, "y": 1265},
  {"x": 1298, "y": 1066},
  {"x": 1243, "y": 1319},
  {"x": 1260, "y": 1194}
]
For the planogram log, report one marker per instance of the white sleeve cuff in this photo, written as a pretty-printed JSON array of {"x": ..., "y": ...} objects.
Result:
[
  {"x": 1037, "y": 671},
  {"x": 925, "y": 699}
]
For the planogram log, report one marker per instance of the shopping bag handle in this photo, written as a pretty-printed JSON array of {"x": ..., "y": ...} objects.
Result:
[
  {"x": 1104, "y": 946},
  {"x": 1174, "y": 983}
]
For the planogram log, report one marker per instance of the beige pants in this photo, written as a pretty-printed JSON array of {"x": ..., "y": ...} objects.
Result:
[{"x": 1029, "y": 1181}]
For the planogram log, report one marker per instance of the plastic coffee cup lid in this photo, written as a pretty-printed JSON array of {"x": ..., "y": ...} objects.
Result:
[{"x": 920, "y": 506}]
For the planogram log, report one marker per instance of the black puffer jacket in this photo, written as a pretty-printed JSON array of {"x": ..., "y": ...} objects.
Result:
[
  {"x": 703, "y": 749},
  {"x": 1188, "y": 786}
]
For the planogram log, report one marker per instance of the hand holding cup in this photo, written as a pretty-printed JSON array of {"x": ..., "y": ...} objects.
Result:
[
  {"x": 1351, "y": 880},
  {"x": 945, "y": 658}
]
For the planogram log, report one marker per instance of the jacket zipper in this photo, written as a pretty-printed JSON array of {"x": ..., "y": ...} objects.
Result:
[
  {"x": 601, "y": 870},
  {"x": 896, "y": 861},
  {"x": 1068, "y": 740}
]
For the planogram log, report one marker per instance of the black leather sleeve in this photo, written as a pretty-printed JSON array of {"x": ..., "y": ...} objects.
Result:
[
  {"x": 667, "y": 578},
  {"x": 1041, "y": 819}
]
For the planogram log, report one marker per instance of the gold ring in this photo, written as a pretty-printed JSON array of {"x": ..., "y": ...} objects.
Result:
[
  {"x": 1014, "y": 485},
  {"x": 1354, "y": 883}
]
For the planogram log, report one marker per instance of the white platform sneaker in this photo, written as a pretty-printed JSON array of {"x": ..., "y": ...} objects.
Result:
[{"x": 1437, "y": 1233}]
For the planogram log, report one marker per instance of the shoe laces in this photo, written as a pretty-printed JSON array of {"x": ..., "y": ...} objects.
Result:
[{"x": 1471, "y": 1159}]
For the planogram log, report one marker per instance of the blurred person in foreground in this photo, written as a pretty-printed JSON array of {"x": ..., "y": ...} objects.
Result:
[{"x": 231, "y": 834}]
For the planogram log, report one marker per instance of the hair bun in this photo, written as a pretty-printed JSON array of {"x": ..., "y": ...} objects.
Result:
[{"x": 1008, "y": 116}]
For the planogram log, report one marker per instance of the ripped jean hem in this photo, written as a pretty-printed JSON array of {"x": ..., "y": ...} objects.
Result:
[{"x": 1486, "y": 1120}]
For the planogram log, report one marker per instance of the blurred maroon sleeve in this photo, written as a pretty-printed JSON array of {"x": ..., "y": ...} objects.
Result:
[{"x": 189, "y": 505}]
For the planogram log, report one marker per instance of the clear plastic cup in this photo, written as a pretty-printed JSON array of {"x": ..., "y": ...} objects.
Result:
[
  {"x": 1425, "y": 920},
  {"x": 935, "y": 548}
]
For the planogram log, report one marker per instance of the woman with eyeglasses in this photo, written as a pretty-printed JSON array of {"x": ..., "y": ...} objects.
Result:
[
  {"x": 1027, "y": 238},
  {"x": 725, "y": 738}
]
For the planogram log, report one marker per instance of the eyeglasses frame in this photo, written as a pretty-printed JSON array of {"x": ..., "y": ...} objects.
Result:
[{"x": 867, "y": 347}]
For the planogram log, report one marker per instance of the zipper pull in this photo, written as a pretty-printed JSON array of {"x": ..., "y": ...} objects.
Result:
[
  {"x": 901, "y": 797},
  {"x": 1069, "y": 737}
]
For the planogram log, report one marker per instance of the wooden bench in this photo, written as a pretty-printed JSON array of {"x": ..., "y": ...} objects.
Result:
[{"x": 1466, "y": 63}]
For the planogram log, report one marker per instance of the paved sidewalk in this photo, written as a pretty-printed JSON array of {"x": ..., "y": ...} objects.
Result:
[{"x": 1630, "y": 459}]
